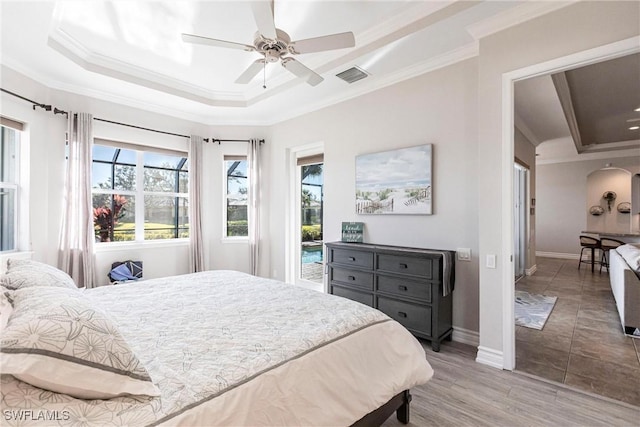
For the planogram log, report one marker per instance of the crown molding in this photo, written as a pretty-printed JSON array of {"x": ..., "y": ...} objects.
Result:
[
  {"x": 208, "y": 119},
  {"x": 75, "y": 51},
  {"x": 585, "y": 157},
  {"x": 362, "y": 87},
  {"x": 419, "y": 11},
  {"x": 526, "y": 131},
  {"x": 514, "y": 16}
]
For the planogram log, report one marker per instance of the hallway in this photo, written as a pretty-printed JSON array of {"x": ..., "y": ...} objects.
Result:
[{"x": 582, "y": 344}]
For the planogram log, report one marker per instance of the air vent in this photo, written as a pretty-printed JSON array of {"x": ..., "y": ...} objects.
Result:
[{"x": 353, "y": 74}]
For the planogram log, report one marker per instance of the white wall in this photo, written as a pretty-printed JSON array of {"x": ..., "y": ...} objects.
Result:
[
  {"x": 573, "y": 29},
  {"x": 600, "y": 182},
  {"x": 46, "y": 136},
  {"x": 562, "y": 203},
  {"x": 437, "y": 108}
]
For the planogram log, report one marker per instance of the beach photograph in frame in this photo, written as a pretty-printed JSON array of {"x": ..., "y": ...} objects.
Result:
[{"x": 395, "y": 182}]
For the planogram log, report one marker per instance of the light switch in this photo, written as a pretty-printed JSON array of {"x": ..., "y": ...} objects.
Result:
[
  {"x": 463, "y": 254},
  {"x": 491, "y": 261}
]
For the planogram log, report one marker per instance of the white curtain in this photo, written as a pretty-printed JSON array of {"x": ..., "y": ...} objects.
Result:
[
  {"x": 196, "y": 249},
  {"x": 75, "y": 254},
  {"x": 254, "y": 204}
]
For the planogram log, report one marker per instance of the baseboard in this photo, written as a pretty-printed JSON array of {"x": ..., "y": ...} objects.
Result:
[
  {"x": 490, "y": 357},
  {"x": 531, "y": 271},
  {"x": 558, "y": 255},
  {"x": 466, "y": 336}
]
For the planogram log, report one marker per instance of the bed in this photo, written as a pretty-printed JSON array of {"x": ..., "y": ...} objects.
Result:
[{"x": 211, "y": 348}]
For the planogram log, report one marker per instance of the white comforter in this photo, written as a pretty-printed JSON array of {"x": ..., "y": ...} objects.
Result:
[{"x": 226, "y": 348}]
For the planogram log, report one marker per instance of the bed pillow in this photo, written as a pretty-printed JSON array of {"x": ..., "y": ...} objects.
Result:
[
  {"x": 23, "y": 273},
  {"x": 631, "y": 254},
  {"x": 58, "y": 341}
]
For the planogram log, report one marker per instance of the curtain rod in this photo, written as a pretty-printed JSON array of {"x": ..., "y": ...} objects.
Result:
[
  {"x": 59, "y": 111},
  {"x": 35, "y": 104},
  {"x": 261, "y": 141},
  {"x": 56, "y": 110}
]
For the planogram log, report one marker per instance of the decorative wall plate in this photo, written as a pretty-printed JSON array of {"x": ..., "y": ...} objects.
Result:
[
  {"x": 609, "y": 196},
  {"x": 596, "y": 210},
  {"x": 624, "y": 207}
]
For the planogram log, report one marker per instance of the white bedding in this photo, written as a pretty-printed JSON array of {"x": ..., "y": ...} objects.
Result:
[{"x": 226, "y": 348}]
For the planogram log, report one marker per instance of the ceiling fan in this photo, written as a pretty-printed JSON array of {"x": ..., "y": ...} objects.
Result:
[{"x": 274, "y": 45}]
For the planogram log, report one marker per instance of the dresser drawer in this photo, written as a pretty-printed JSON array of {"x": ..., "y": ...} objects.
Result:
[
  {"x": 361, "y": 297},
  {"x": 406, "y": 265},
  {"x": 350, "y": 257},
  {"x": 404, "y": 288},
  {"x": 362, "y": 279},
  {"x": 411, "y": 316}
]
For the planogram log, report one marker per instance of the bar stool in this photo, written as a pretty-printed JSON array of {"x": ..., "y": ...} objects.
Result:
[
  {"x": 588, "y": 242},
  {"x": 606, "y": 244}
]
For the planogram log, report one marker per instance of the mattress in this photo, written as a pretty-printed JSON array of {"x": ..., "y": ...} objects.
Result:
[{"x": 227, "y": 348}]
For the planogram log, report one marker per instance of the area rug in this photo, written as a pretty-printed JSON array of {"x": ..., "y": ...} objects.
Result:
[{"x": 532, "y": 311}]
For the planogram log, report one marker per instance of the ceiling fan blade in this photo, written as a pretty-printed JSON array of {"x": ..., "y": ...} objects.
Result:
[
  {"x": 190, "y": 38},
  {"x": 318, "y": 44},
  {"x": 263, "y": 14},
  {"x": 251, "y": 72},
  {"x": 302, "y": 71}
]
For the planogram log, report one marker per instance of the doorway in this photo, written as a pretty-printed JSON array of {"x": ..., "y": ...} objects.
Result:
[
  {"x": 594, "y": 55},
  {"x": 304, "y": 250}
]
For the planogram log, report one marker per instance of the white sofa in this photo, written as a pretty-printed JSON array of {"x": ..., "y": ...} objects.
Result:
[{"x": 624, "y": 274}]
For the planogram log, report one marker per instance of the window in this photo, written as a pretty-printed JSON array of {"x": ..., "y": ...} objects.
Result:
[
  {"x": 139, "y": 194},
  {"x": 9, "y": 188},
  {"x": 236, "y": 222}
]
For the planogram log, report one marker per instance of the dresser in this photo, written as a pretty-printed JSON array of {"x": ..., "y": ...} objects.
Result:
[{"x": 407, "y": 284}]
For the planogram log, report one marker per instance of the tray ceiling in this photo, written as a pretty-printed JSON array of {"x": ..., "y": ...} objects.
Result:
[{"x": 132, "y": 52}]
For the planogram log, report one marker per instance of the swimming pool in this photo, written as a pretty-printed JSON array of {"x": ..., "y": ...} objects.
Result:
[{"x": 311, "y": 254}]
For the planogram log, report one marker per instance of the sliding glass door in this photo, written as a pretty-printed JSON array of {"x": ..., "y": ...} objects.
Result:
[{"x": 520, "y": 219}]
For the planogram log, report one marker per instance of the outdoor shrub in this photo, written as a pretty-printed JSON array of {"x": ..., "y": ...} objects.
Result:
[{"x": 311, "y": 232}]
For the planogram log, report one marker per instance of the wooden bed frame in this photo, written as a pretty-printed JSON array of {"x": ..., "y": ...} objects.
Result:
[{"x": 398, "y": 403}]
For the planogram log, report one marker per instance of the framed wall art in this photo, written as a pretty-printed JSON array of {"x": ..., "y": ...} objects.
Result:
[{"x": 395, "y": 182}]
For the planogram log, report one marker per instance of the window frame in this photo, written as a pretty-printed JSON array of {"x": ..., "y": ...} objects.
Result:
[
  {"x": 16, "y": 185},
  {"x": 139, "y": 193},
  {"x": 225, "y": 180}
]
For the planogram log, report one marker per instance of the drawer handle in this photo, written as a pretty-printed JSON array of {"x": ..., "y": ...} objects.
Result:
[
  {"x": 402, "y": 265},
  {"x": 402, "y": 314},
  {"x": 351, "y": 278},
  {"x": 402, "y": 288},
  {"x": 352, "y": 258}
]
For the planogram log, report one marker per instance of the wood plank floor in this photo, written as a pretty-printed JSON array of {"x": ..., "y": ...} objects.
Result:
[{"x": 465, "y": 393}]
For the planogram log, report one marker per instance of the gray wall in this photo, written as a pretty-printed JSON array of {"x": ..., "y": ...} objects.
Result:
[
  {"x": 562, "y": 203},
  {"x": 437, "y": 108}
]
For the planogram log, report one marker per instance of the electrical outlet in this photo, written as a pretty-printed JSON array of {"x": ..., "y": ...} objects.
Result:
[{"x": 463, "y": 254}]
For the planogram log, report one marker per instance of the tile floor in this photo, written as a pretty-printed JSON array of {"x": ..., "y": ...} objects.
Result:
[{"x": 582, "y": 344}]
